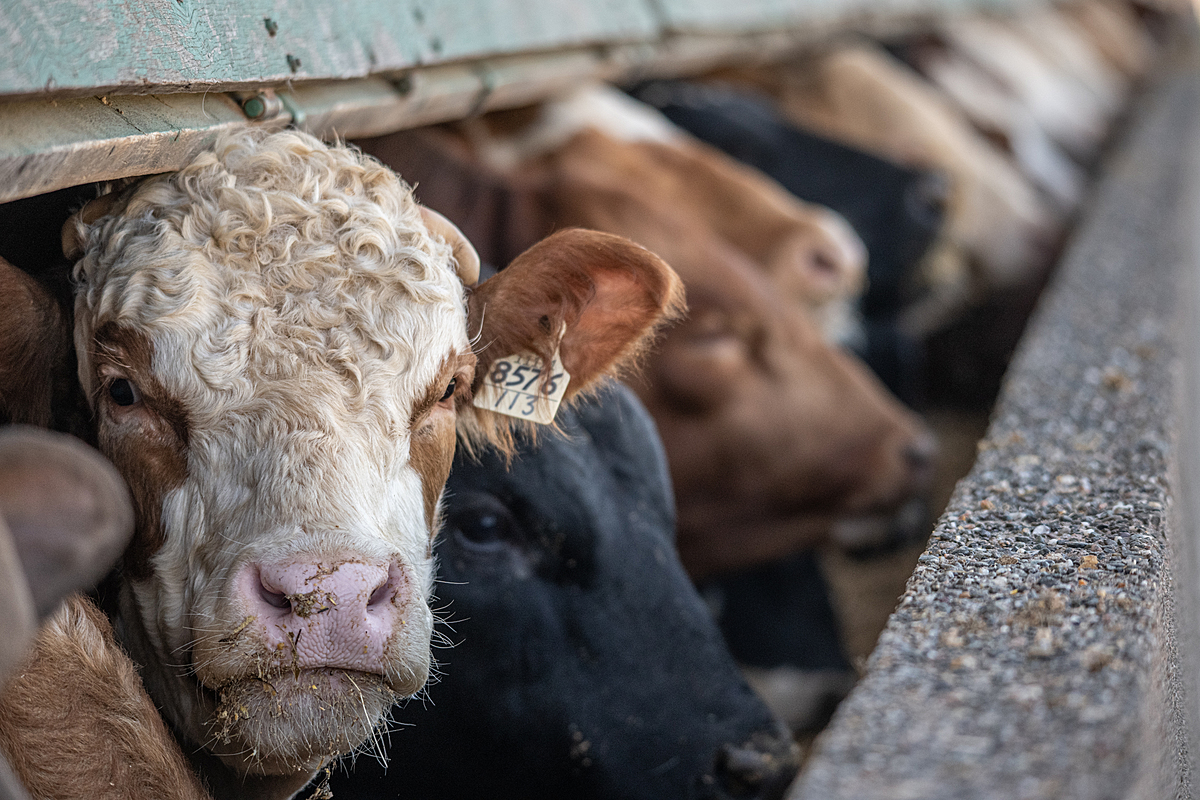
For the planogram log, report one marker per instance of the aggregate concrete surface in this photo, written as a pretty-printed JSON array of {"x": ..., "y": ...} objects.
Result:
[{"x": 1033, "y": 652}]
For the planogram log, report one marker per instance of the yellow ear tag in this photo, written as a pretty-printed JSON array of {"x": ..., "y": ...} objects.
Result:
[{"x": 515, "y": 385}]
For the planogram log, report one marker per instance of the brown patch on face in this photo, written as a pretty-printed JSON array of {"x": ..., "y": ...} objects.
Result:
[
  {"x": 433, "y": 433},
  {"x": 146, "y": 440},
  {"x": 432, "y": 453}
]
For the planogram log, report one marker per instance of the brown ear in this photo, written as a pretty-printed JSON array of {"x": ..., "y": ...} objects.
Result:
[
  {"x": 35, "y": 348},
  {"x": 609, "y": 293},
  {"x": 67, "y": 509}
]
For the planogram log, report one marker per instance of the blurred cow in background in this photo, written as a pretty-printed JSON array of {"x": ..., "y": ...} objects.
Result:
[{"x": 773, "y": 436}]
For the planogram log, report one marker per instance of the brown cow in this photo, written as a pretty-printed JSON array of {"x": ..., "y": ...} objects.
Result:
[
  {"x": 86, "y": 726},
  {"x": 857, "y": 93},
  {"x": 278, "y": 350}
]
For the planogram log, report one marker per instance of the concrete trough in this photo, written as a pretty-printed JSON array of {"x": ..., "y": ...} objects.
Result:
[{"x": 1046, "y": 646}]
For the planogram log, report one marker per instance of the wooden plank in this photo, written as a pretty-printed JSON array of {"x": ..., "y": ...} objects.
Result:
[
  {"x": 375, "y": 106},
  {"x": 78, "y": 47},
  {"x": 49, "y": 145},
  {"x": 745, "y": 16},
  {"x": 692, "y": 16}
]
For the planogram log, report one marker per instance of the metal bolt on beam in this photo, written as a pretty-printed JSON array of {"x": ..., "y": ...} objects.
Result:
[{"x": 259, "y": 106}]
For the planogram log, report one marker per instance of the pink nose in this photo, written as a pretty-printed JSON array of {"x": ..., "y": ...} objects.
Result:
[{"x": 336, "y": 614}]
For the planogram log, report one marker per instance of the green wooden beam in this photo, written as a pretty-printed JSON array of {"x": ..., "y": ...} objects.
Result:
[
  {"x": 87, "y": 47},
  {"x": 48, "y": 145}
]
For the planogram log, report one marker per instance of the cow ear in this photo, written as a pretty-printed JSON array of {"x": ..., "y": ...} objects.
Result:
[
  {"x": 74, "y": 230},
  {"x": 67, "y": 509},
  {"x": 466, "y": 260},
  {"x": 602, "y": 294},
  {"x": 35, "y": 348}
]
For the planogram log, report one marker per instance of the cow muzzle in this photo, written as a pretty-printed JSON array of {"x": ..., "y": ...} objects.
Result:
[
  {"x": 322, "y": 651},
  {"x": 761, "y": 768},
  {"x": 325, "y": 614}
]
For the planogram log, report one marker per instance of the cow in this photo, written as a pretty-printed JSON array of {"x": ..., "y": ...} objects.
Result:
[
  {"x": 996, "y": 111},
  {"x": 774, "y": 437},
  {"x": 585, "y": 665},
  {"x": 999, "y": 232},
  {"x": 65, "y": 517},
  {"x": 279, "y": 353},
  {"x": 1118, "y": 35},
  {"x": 78, "y": 722},
  {"x": 1072, "y": 114},
  {"x": 812, "y": 253},
  {"x": 1066, "y": 44},
  {"x": 896, "y": 210}
]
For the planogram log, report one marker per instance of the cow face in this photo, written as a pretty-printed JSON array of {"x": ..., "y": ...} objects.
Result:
[
  {"x": 587, "y": 665},
  {"x": 276, "y": 350},
  {"x": 772, "y": 434},
  {"x": 273, "y": 344}
]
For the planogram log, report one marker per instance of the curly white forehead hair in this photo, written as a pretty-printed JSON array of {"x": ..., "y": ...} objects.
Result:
[{"x": 266, "y": 230}]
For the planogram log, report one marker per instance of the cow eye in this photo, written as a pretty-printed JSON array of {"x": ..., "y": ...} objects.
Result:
[
  {"x": 481, "y": 522},
  {"x": 450, "y": 389},
  {"x": 123, "y": 392}
]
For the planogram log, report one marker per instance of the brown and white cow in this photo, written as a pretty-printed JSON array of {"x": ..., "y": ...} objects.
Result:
[
  {"x": 278, "y": 348},
  {"x": 857, "y": 93},
  {"x": 996, "y": 111},
  {"x": 774, "y": 437},
  {"x": 1114, "y": 29},
  {"x": 810, "y": 252},
  {"x": 1071, "y": 113}
]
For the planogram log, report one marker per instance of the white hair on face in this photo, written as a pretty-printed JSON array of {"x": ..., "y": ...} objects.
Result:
[{"x": 235, "y": 249}]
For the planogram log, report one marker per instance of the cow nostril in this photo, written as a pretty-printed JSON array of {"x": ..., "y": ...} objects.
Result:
[
  {"x": 742, "y": 769},
  {"x": 379, "y": 595},
  {"x": 271, "y": 597}
]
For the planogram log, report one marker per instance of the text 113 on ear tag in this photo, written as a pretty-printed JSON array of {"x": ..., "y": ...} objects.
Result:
[{"x": 515, "y": 385}]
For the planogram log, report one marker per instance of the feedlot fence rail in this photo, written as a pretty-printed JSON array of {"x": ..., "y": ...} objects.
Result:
[{"x": 93, "y": 91}]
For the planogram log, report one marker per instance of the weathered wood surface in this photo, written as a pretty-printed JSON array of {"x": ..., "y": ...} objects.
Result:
[
  {"x": 65, "y": 48},
  {"x": 48, "y": 145},
  {"x": 73, "y": 47},
  {"x": 99, "y": 89}
]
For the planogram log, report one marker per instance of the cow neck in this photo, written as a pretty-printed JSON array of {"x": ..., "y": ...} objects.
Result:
[
  {"x": 166, "y": 689},
  {"x": 224, "y": 782}
]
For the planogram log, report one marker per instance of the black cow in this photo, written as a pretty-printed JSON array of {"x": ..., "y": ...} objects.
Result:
[{"x": 588, "y": 666}]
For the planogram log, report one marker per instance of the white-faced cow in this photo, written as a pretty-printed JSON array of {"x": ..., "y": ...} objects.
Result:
[{"x": 278, "y": 348}]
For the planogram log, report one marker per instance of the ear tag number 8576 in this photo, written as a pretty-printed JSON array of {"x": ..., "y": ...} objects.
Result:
[{"x": 514, "y": 386}]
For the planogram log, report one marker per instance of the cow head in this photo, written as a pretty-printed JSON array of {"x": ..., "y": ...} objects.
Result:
[
  {"x": 586, "y": 660},
  {"x": 278, "y": 350}
]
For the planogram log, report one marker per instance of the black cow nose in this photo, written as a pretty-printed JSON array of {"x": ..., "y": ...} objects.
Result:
[{"x": 761, "y": 768}]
